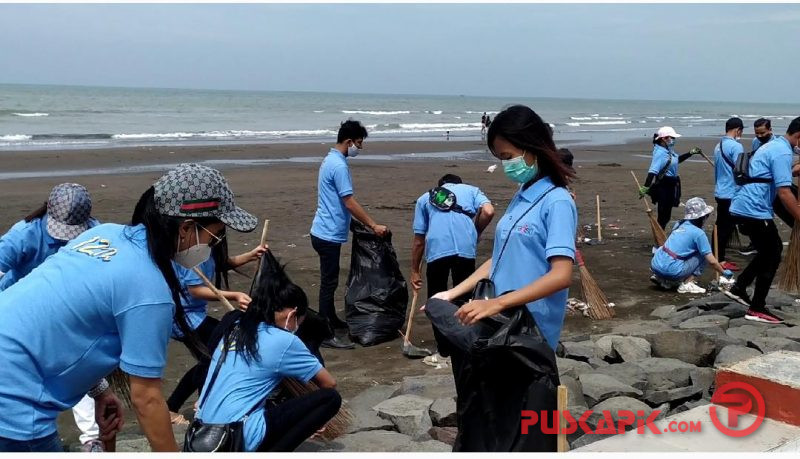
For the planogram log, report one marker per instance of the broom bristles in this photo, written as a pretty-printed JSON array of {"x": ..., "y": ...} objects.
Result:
[
  {"x": 594, "y": 297},
  {"x": 659, "y": 236},
  {"x": 121, "y": 385},
  {"x": 734, "y": 241},
  {"x": 337, "y": 426},
  {"x": 789, "y": 272}
]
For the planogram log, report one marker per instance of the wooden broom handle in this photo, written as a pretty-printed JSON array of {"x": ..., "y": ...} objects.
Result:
[
  {"x": 214, "y": 289},
  {"x": 706, "y": 158},
  {"x": 646, "y": 206},
  {"x": 414, "y": 298},
  {"x": 599, "y": 224},
  {"x": 263, "y": 241},
  {"x": 561, "y": 404}
]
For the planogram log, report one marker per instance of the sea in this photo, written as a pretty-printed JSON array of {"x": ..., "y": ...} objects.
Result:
[{"x": 77, "y": 117}]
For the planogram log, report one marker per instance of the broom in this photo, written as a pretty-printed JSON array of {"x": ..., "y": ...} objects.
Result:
[
  {"x": 595, "y": 298},
  {"x": 658, "y": 232},
  {"x": 789, "y": 272},
  {"x": 409, "y": 350}
]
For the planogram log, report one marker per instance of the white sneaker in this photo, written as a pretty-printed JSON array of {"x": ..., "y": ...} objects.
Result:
[{"x": 690, "y": 287}]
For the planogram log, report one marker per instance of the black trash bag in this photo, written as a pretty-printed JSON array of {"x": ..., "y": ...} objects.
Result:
[
  {"x": 502, "y": 365},
  {"x": 377, "y": 295}
]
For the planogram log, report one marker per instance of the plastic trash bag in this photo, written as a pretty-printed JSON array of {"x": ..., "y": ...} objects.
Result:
[
  {"x": 377, "y": 295},
  {"x": 502, "y": 365}
]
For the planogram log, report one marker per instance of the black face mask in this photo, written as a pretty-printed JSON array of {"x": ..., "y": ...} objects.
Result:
[{"x": 765, "y": 139}]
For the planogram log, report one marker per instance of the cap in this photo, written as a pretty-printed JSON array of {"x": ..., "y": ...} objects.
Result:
[
  {"x": 192, "y": 190},
  {"x": 696, "y": 208},
  {"x": 667, "y": 131},
  {"x": 69, "y": 209}
]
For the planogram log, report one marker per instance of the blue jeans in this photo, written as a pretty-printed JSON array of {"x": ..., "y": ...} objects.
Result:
[{"x": 48, "y": 444}]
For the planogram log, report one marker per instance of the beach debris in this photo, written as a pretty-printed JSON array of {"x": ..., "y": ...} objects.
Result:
[
  {"x": 576, "y": 306},
  {"x": 291, "y": 246},
  {"x": 491, "y": 168},
  {"x": 102, "y": 185}
]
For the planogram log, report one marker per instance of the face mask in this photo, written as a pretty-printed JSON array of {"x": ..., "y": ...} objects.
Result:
[
  {"x": 517, "y": 170},
  {"x": 763, "y": 140},
  {"x": 353, "y": 151},
  {"x": 286, "y": 325},
  {"x": 671, "y": 143},
  {"x": 194, "y": 255}
]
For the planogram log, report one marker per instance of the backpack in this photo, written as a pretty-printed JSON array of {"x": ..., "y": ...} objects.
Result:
[
  {"x": 445, "y": 200},
  {"x": 741, "y": 170}
]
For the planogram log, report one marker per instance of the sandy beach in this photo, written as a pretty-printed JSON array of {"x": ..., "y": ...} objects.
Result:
[{"x": 285, "y": 192}]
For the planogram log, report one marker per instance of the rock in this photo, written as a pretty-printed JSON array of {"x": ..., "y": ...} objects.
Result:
[
  {"x": 631, "y": 348},
  {"x": 583, "y": 350},
  {"x": 574, "y": 392},
  {"x": 568, "y": 367},
  {"x": 445, "y": 435},
  {"x": 690, "y": 346},
  {"x": 730, "y": 310},
  {"x": 443, "y": 412},
  {"x": 778, "y": 298},
  {"x": 792, "y": 333},
  {"x": 615, "y": 405},
  {"x": 598, "y": 387},
  {"x": 671, "y": 395},
  {"x": 663, "y": 411},
  {"x": 702, "y": 378},
  {"x": 730, "y": 355},
  {"x": 746, "y": 332},
  {"x": 409, "y": 413},
  {"x": 711, "y": 303},
  {"x": 597, "y": 363},
  {"x": 604, "y": 347},
  {"x": 384, "y": 441},
  {"x": 642, "y": 329},
  {"x": 428, "y": 386},
  {"x": 627, "y": 372},
  {"x": 767, "y": 345},
  {"x": 662, "y": 312},
  {"x": 720, "y": 338},
  {"x": 711, "y": 320},
  {"x": 682, "y": 315},
  {"x": 364, "y": 417},
  {"x": 665, "y": 373}
]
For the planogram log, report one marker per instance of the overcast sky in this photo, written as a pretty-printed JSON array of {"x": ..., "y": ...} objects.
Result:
[{"x": 681, "y": 52}]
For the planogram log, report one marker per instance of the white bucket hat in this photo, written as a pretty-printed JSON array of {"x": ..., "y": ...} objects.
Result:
[
  {"x": 696, "y": 208},
  {"x": 667, "y": 131}
]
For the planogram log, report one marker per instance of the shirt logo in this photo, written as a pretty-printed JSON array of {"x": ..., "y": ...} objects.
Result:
[
  {"x": 96, "y": 247},
  {"x": 525, "y": 229}
]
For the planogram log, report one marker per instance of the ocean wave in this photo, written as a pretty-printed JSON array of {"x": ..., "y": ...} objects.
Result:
[
  {"x": 597, "y": 123},
  {"x": 31, "y": 115},
  {"x": 440, "y": 126},
  {"x": 596, "y": 117},
  {"x": 319, "y": 111},
  {"x": 235, "y": 134},
  {"x": 433, "y": 112},
  {"x": 15, "y": 137},
  {"x": 693, "y": 117},
  {"x": 376, "y": 112},
  {"x": 480, "y": 113}
]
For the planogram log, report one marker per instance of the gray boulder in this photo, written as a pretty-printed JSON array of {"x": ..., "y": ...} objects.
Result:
[
  {"x": 360, "y": 407},
  {"x": 598, "y": 387},
  {"x": 711, "y": 302},
  {"x": 767, "y": 345},
  {"x": 409, "y": 413},
  {"x": 615, "y": 406},
  {"x": 574, "y": 392},
  {"x": 747, "y": 332},
  {"x": 443, "y": 412},
  {"x": 703, "y": 378},
  {"x": 720, "y": 338},
  {"x": 642, "y": 329},
  {"x": 665, "y": 373},
  {"x": 672, "y": 395},
  {"x": 428, "y": 386},
  {"x": 730, "y": 310},
  {"x": 690, "y": 346},
  {"x": 682, "y": 315},
  {"x": 792, "y": 333},
  {"x": 569, "y": 367},
  {"x": 711, "y": 320},
  {"x": 604, "y": 347},
  {"x": 384, "y": 441},
  {"x": 730, "y": 355},
  {"x": 663, "y": 312},
  {"x": 597, "y": 363},
  {"x": 627, "y": 372},
  {"x": 631, "y": 348},
  {"x": 583, "y": 350}
]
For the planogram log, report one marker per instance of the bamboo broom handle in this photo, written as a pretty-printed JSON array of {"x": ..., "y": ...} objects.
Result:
[
  {"x": 414, "y": 298},
  {"x": 707, "y": 158},
  {"x": 563, "y": 444},
  {"x": 599, "y": 224},
  {"x": 716, "y": 250},
  {"x": 263, "y": 241},
  {"x": 214, "y": 289},
  {"x": 646, "y": 206}
]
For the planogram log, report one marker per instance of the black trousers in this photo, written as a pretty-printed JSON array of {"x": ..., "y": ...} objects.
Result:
[
  {"x": 329, "y": 253},
  {"x": 667, "y": 194},
  {"x": 764, "y": 265},
  {"x": 725, "y": 227},
  {"x": 195, "y": 377},
  {"x": 438, "y": 274},
  {"x": 294, "y": 421}
]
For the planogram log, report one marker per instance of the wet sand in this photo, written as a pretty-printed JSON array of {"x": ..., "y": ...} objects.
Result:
[{"x": 286, "y": 194}]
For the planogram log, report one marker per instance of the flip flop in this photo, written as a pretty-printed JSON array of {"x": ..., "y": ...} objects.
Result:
[{"x": 177, "y": 419}]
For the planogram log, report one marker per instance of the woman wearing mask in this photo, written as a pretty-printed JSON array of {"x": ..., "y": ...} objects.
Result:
[
  {"x": 663, "y": 183},
  {"x": 107, "y": 299}
]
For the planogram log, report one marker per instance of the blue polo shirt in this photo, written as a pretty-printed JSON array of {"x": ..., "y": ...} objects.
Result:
[
  {"x": 725, "y": 186},
  {"x": 332, "y": 219},
  {"x": 757, "y": 143},
  {"x": 195, "y": 308},
  {"x": 449, "y": 233},
  {"x": 98, "y": 303},
  {"x": 25, "y": 246},
  {"x": 685, "y": 240},
  {"x": 241, "y": 385},
  {"x": 773, "y": 161},
  {"x": 548, "y": 230},
  {"x": 660, "y": 157}
]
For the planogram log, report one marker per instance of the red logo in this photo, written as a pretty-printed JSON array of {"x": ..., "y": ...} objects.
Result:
[{"x": 739, "y": 398}]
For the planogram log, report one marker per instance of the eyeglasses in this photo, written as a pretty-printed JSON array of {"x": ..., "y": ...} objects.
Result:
[{"x": 217, "y": 239}]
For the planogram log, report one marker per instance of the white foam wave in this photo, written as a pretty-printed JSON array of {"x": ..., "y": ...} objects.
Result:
[
  {"x": 597, "y": 123},
  {"x": 15, "y": 137},
  {"x": 32, "y": 115},
  {"x": 376, "y": 112},
  {"x": 319, "y": 111},
  {"x": 236, "y": 134},
  {"x": 480, "y": 113},
  {"x": 596, "y": 117},
  {"x": 685, "y": 117},
  {"x": 439, "y": 125},
  {"x": 434, "y": 112}
]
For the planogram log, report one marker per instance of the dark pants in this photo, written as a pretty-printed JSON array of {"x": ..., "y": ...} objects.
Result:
[
  {"x": 329, "y": 253},
  {"x": 764, "y": 265},
  {"x": 780, "y": 210},
  {"x": 48, "y": 444},
  {"x": 438, "y": 274},
  {"x": 294, "y": 421},
  {"x": 725, "y": 227},
  {"x": 193, "y": 379},
  {"x": 667, "y": 195}
]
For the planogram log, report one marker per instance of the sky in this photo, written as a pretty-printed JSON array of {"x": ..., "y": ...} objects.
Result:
[{"x": 717, "y": 52}]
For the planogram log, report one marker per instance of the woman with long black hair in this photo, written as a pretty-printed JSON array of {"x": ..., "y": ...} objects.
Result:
[{"x": 107, "y": 300}]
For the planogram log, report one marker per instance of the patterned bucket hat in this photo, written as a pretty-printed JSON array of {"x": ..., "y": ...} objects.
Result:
[
  {"x": 696, "y": 208},
  {"x": 69, "y": 210},
  {"x": 192, "y": 190}
]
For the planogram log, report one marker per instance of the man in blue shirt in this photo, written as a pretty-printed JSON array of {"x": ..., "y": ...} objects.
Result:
[
  {"x": 725, "y": 155},
  {"x": 335, "y": 206},
  {"x": 763, "y": 130},
  {"x": 771, "y": 174}
]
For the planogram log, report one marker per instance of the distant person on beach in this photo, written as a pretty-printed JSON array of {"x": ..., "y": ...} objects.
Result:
[
  {"x": 684, "y": 256},
  {"x": 65, "y": 215},
  {"x": 663, "y": 183},
  {"x": 483, "y": 124},
  {"x": 770, "y": 172},
  {"x": 726, "y": 153},
  {"x": 336, "y": 203},
  {"x": 108, "y": 300}
]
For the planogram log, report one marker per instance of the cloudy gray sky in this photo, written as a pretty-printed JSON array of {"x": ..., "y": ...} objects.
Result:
[{"x": 726, "y": 52}]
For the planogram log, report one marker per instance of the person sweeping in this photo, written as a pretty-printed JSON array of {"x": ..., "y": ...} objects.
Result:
[{"x": 683, "y": 258}]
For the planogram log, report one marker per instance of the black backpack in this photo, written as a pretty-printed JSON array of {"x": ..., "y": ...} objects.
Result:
[{"x": 741, "y": 169}]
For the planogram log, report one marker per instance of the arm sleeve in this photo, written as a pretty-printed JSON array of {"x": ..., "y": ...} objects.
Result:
[
  {"x": 781, "y": 169},
  {"x": 684, "y": 157},
  {"x": 298, "y": 362},
  {"x": 658, "y": 162},
  {"x": 342, "y": 181},
  {"x": 480, "y": 198},
  {"x": 144, "y": 334},
  {"x": 420, "y": 225},
  {"x": 649, "y": 180},
  {"x": 187, "y": 277},
  {"x": 561, "y": 222},
  {"x": 12, "y": 250}
]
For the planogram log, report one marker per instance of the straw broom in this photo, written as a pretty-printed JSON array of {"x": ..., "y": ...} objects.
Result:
[
  {"x": 790, "y": 270},
  {"x": 595, "y": 298},
  {"x": 658, "y": 232}
]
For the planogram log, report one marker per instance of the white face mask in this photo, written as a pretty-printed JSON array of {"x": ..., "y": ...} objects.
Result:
[
  {"x": 286, "y": 325},
  {"x": 353, "y": 151},
  {"x": 194, "y": 255}
]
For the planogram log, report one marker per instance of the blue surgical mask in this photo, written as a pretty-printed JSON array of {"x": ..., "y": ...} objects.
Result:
[
  {"x": 671, "y": 143},
  {"x": 518, "y": 170}
]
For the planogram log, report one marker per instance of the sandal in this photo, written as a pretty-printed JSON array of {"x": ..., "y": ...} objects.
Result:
[{"x": 177, "y": 419}]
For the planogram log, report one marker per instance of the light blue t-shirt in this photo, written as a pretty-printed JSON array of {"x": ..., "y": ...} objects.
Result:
[
  {"x": 685, "y": 241},
  {"x": 98, "y": 303},
  {"x": 241, "y": 386},
  {"x": 660, "y": 157},
  {"x": 546, "y": 231},
  {"x": 332, "y": 219},
  {"x": 757, "y": 143},
  {"x": 773, "y": 161},
  {"x": 25, "y": 246},
  {"x": 195, "y": 308},
  {"x": 725, "y": 186},
  {"x": 449, "y": 233}
]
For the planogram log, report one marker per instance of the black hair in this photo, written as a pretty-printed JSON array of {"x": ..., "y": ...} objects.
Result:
[
  {"x": 524, "y": 129},
  {"x": 221, "y": 265},
  {"x": 699, "y": 222},
  {"x": 794, "y": 126},
  {"x": 566, "y": 156},
  {"x": 450, "y": 178},
  {"x": 351, "y": 130},
  {"x": 274, "y": 291},
  {"x": 162, "y": 243},
  {"x": 762, "y": 122},
  {"x": 734, "y": 123},
  {"x": 38, "y": 213}
]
